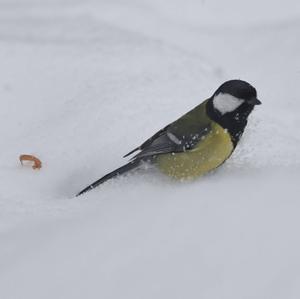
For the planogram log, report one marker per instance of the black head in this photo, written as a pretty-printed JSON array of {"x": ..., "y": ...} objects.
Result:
[
  {"x": 239, "y": 89},
  {"x": 231, "y": 105}
]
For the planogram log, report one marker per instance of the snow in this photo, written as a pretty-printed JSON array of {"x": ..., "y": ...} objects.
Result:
[{"x": 84, "y": 82}]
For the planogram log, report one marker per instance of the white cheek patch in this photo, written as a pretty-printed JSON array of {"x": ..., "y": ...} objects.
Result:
[{"x": 224, "y": 103}]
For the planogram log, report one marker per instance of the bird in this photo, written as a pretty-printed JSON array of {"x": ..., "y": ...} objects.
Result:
[{"x": 199, "y": 141}]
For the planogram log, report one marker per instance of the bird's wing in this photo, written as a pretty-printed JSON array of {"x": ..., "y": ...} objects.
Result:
[
  {"x": 148, "y": 141},
  {"x": 179, "y": 136}
]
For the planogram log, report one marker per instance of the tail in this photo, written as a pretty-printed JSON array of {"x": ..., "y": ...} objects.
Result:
[{"x": 127, "y": 167}]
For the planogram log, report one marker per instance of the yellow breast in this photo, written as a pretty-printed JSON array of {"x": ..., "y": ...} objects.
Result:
[{"x": 210, "y": 153}]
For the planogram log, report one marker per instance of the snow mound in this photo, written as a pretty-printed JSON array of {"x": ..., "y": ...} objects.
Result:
[{"x": 81, "y": 84}]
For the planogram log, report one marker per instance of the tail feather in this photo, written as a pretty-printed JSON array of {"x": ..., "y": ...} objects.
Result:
[
  {"x": 127, "y": 167},
  {"x": 131, "y": 152}
]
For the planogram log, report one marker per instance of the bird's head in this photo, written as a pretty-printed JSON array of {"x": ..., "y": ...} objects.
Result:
[
  {"x": 233, "y": 94},
  {"x": 231, "y": 105}
]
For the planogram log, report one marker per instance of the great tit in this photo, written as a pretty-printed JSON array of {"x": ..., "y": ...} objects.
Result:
[{"x": 200, "y": 140}]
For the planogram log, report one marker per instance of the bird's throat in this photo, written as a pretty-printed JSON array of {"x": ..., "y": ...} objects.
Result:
[{"x": 235, "y": 122}]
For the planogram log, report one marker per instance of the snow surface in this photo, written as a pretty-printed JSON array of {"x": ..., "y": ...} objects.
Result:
[{"x": 84, "y": 82}]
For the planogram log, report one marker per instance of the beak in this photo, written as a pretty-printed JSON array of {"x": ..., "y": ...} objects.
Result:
[{"x": 254, "y": 101}]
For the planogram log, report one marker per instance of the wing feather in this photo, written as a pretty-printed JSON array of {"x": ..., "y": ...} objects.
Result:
[{"x": 180, "y": 136}]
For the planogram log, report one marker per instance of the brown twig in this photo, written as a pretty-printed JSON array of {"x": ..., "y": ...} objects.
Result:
[{"x": 37, "y": 164}]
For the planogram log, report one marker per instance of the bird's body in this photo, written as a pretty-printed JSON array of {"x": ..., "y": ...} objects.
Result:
[
  {"x": 200, "y": 140},
  {"x": 209, "y": 153}
]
